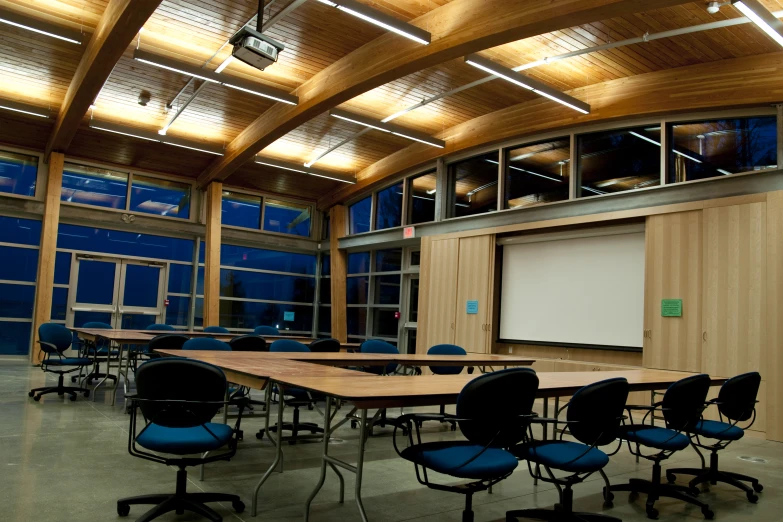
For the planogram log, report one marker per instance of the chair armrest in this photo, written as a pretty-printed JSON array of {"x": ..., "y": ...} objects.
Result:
[{"x": 545, "y": 420}]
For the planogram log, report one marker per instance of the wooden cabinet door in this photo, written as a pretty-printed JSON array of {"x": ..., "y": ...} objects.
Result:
[
  {"x": 673, "y": 270},
  {"x": 734, "y": 310},
  {"x": 476, "y": 256},
  {"x": 438, "y": 282}
]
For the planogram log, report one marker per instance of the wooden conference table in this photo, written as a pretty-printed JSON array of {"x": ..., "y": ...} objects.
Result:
[{"x": 258, "y": 369}]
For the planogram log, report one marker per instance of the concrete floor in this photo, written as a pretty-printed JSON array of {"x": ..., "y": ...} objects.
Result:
[{"x": 64, "y": 461}]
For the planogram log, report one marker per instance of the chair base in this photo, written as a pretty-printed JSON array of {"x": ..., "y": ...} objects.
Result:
[
  {"x": 294, "y": 427},
  {"x": 60, "y": 389},
  {"x": 558, "y": 516},
  {"x": 713, "y": 475},
  {"x": 179, "y": 502},
  {"x": 655, "y": 490}
]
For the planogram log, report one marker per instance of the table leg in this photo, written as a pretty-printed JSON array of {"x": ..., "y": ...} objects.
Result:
[
  {"x": 322, "y": 478},
  {"x": 278, "y": 457},
  {"x": 360, "y": 463}
]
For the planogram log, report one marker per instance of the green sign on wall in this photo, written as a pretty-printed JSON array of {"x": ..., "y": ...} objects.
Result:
[{"x": 671, "y": 307}]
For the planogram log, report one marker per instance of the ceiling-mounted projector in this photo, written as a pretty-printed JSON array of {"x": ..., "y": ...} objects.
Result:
[{"x": 255, "y": 49}]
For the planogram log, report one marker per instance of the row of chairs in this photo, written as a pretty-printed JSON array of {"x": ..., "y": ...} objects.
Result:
[{"x": 499, "y": 434}]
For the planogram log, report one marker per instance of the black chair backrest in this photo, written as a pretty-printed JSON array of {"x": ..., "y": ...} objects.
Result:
[
  {"x": 446, "y": 349},
  {"x": 379, "y": 346},
  {"x": 683, "y": 402},
  {"x": 249, "y": 343},
  {"x": 167, "y": 342},
  {"x": 737, "y": 396},
  {"x": 178, "y": 379},
  {"x": 55, "y": 334},
  {"x": 597, "y": 410},
  {"x": 325, "y": 345},
  {"x": 493, "y": 402}
]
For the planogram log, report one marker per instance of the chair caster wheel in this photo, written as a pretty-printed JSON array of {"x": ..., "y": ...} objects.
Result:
[
  {"x": 73, "y": 379},
  {"x": 86, "y": 394},
  {"x": 671, "y": 477},
  {"x": 123, "y": 510},
  {"x": 752, "y": 497},
  {"x": 73, "y": 398},
  {"x": 708, "y": 514},
  {"x": 260, "y": 435},
  {"x": 30, "y": 394},
  {"x": 758, "y": 488},
  {"x": 353, "y": 425},
  {"x": 652, "y": 513},
  {"x": 37, "y": 398},
  {"x": 608, "y": 504},
  {"x": 238, "y": 506},
  {"x": 240, "y": 435},
  {"x": 633, "y": 495}
]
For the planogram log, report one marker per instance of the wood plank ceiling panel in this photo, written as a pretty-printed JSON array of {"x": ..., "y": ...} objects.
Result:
[
  {"x": 76, "y": 14},
  {"x": 285, "y": 183}
]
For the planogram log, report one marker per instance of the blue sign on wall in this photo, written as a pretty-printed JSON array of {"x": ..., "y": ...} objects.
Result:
[
  {"x": 288, "y": 316},
  {"x": 472, "y": 307}
]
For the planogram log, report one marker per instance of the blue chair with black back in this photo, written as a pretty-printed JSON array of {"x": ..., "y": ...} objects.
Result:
[
  {"x": 158, "y": 327},
  {"x": 178, "y": 398},
  {"x": 54, "y": 340},
  {"x": 328, "y": 345},
  {"x": 249, "y": 343},
  {"x": 736, "y": 403},
  {"x": 594, "y": 416},
  {"x": 266, "y": 330},
  {"x": 216, "y": 330},
  {"x": 144, "y": 351},
  {"x": 378, "y": 346},
  {"x": 446, "y": 349},
  {"x": 294, "y": 397},
  {"x": 166, "y": 341},
  {"x": 489, "y": 426},
  {"x": 99, "y": 351},
  {"x": 681, "y": 408},
  {"x": 206, "y": 343}
]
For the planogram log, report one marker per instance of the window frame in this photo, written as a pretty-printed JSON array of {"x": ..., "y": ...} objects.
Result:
[
  {"x": 42, "y": 173},
  {"x": 314, "y": 222}
]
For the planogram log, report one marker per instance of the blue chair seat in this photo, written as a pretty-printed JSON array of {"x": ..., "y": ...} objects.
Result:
[
  {"x": 446, "y": 457},
  {"x": 185, "y": 441},
  {"x": 567, "y": 456},
  {"x": 718, "y": 430},
  {"x": 654, "y": 437},
  {"x": 66, "y": 361}
]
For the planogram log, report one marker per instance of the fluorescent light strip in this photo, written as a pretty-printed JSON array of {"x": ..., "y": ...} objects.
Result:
[
  {"x": 397, "y": 130},
  {"x": 531, "y": 84},
  {"x": 757, "y": 14},
  {"x": 192, "y": 148},
  {"x": 23, "y": 111},
  {"x": 724, "y": 172},
  {"x": 118, "y": 129},
  {"x": 224, "y": 64},
  {"x": 123, "y": 133},
  {"x": 380, "y": 19},
  {"x": 318, "y": 174},
  {"x": 174, "y": 69},
  {"x": 259, "y": 93},
  {"x": 418, "y": 139},
  {"x": 358, "y": 122},
  {"x": 645, "y": 138},
  {"x": 6, "y": 20}
]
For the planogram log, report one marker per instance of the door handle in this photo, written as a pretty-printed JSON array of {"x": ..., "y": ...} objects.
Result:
[{"x": 704, "y": 336}]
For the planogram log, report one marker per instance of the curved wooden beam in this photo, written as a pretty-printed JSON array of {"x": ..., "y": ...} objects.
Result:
[
  {"x": 115, "y": 31},
  {"x": 726, "y": 84},
  {"x": 458, "y": 28}
]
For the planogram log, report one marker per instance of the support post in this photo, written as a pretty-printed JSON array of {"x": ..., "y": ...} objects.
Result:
[
  {"x": 44, "y": 287},
  {"x": 338, "y": 259},
  {"x": 212, "y": 261}
]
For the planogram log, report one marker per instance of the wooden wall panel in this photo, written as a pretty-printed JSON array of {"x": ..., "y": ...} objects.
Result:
[
  {"x": 673, "y": 265},
  {"x": 439, "y": 286},
  {"x": 734, "y": 312},
  {"x": 212, "y": 260},
  {"x": 338, "y": 259},
  {"x": 773, "y": 369},
  {"x": 474, "y": 283}
]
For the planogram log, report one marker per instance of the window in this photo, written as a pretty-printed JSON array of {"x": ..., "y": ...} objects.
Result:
[
  {"x": 271, "y": 260},
  {"x": 18, "y": 270},
  {"x": 537, "y": 173},
  {"x": 619, "y": 160},
  {"x": 160, "y": 197},
  {"x": 388, "y": 210},
  {"x": 327, "y": 230},
  {"x": 241, "y": 210},
  {"x": 422, "y": 198},
  {"x": 474, "y": 183},
  {"x": 18, "y": 173},
  {"x": 707, "y": 149},
  {"x": 359, "y": 216},
  {"x": 373, "y": 294},
  {"x": 325, "y": 298},
  {"x": 88, "y": 239},
  {"x": 286, "y": 218},
  {"x": 94, "y": 186}
]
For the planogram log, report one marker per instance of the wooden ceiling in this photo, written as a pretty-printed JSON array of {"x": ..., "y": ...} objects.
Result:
[{"x": 38, "y": 70}]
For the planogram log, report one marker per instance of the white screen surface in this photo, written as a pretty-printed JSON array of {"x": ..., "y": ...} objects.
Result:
[{"x": 586, "y": 290}]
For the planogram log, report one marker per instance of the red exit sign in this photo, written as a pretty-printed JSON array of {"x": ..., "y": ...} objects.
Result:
[{"x": 408, "y": 232}]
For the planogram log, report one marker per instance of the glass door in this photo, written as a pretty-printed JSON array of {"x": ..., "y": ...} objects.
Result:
[{"x": 122, "y": 293}]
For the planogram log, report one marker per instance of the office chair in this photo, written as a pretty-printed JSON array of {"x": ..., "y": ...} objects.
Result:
[
  {"x": 249, "y": 343},
  {"x": 54, "y": 340},
  {"x": 298, "y": 397},
  {"x": 681, "y": 407},
  {"x": 160, "y": 327},
  {"x": 325, "y": 346},
  {"x": 139, "y": 351},
  {"x": 446, "y": 349},
  {"x": 377, "y": 346},
  {"x": 216, "y": 330},
  {"x": 99, "y": 350},
  {"x": 737, "y": 403},
  {"x": 206, "y": 343},
  {"x": 595, "y": 413},
  {"x": 266, "y": 330},
  {"x": 489, "y": 426},
  {"x": 166, "y": 342},
  {"x": 178, "y": 399}
]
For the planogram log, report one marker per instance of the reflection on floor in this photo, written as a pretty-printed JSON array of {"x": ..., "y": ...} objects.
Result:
[{"x": 64, "y": 461}]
